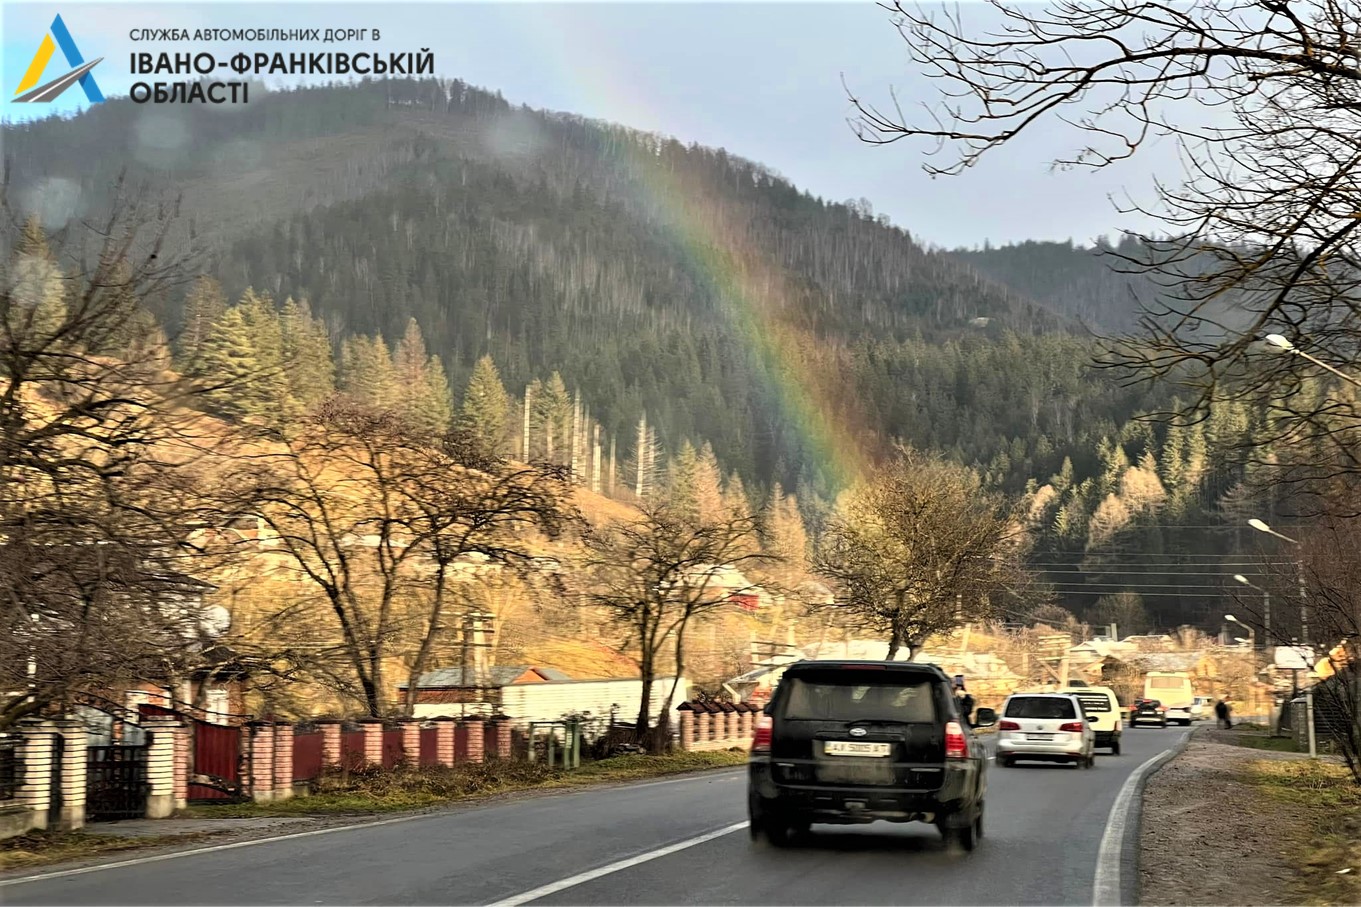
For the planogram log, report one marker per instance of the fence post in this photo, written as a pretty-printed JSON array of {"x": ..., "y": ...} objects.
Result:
[
  {"x": 283, "y": 761},
  {"x": 502, "y": 728},
  {"x": 330, "y": 741},
  {"x": 181, "y": 766},
  {"x": 444, "y": 741},
  {"x": 35, "y": 760},
  {"x": 261, "y": 739},
  {"x": 373, "y": 740},
  {"x": 74, "y": 759},
  {"x": 160, "y": 767},
  {"x": 477, "y": 740},
  {"x": 704, "y": 727},
  {"x": 687, "y": 730},
  {"x": 411, "y": 741}
]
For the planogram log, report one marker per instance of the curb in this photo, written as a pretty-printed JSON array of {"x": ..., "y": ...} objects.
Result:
[{"x": 1134, "y": 852}]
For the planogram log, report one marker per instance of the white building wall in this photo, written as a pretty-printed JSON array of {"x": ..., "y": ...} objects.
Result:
[{"x": 550, "y": 701}]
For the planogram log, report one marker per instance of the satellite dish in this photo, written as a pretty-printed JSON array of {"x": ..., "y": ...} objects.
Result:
[{"x": 215, "y": 620}]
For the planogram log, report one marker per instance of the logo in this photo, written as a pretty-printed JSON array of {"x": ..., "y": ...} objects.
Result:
[
  {"x": 858, "y": 732},
  {"x": 80, "y": 70}
]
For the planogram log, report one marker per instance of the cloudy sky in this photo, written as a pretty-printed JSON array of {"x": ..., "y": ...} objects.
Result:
[{"x": 761, "y": 79}]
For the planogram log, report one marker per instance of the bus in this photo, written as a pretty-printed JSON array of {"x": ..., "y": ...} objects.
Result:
[{"x": 1173, "y": 690}]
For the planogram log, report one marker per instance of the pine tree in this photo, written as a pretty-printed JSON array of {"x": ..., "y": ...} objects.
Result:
[
  {"x": 38, "y": 307},
  {"x": 553, "y": 416},
  {"x": 436, "y": 408},
  {"x": 486, "y": 406},
  {"x": 786, "y": 536},
  {"x": 366, "y": 371},
  {"x": 680, "y": 482},
  {"x": 203, "y": 307},
  {"x": 229, "y": 364},
  {"x": 269, "y": 395},
  {"x": 708, "y": 486},
  {"x": 307, "y": 358},
  {"x": 735, "y": 501}
]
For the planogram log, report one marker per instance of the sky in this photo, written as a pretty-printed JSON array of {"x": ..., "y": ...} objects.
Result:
[{"x": 762, "y": 79}]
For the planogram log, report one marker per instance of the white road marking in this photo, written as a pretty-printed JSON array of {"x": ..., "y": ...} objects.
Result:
[
  {"x": 544, "y": 891},
  {"x": 214, "y": 848},
  {"x": 1106, "y": 886}
]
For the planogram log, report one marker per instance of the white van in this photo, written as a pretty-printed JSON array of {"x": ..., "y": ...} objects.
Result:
[
  {"x": 1174, "y": 691},
  {"x": 1103, "y": 712}
]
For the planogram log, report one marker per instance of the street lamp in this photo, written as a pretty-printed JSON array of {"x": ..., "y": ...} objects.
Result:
[
  {"x": 1299, "y": 570},
  {"x": 1252, "y": 635},
  {"x": 1266, "y": 604},
  {"x": 1282, "y": 343}
]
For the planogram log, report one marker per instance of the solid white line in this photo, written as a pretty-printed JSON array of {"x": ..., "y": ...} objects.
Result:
[
  {"x": 1106, "y": 886},
  {"x": 214, "y": 848},
  {"x": 544, "y": 891}
]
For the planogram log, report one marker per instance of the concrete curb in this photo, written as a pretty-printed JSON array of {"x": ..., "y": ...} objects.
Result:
[{"x": 1133, "y": 855}]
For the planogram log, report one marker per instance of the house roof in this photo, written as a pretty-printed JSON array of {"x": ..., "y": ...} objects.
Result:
[
  {"x": 1168, "y": 661},
  {"x": 498, "y": 677}
]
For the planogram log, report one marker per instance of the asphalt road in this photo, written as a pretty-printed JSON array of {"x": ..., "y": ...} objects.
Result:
[{"x": 1043, "y": 831}]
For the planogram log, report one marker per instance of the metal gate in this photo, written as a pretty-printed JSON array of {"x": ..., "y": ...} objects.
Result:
[
  {"x": 116, "y": 785},
  {"x": 216, "y": 764}
]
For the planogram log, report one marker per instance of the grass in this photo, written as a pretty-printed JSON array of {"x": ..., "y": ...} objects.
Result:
[
  {"x": 405, "y": 788},
  {"x": 1332, "y": 842},
  {"x": 43, "y": 848},
  {"x": 1262, "y": 742}
]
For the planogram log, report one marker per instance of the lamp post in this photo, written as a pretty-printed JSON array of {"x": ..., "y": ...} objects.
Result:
[
  {"x": 1266, "y": 606},
  {"x": 1299, "y": 570},
  {"x": 1252, "y": 635},
  {"x": 1282, "y": 343}
]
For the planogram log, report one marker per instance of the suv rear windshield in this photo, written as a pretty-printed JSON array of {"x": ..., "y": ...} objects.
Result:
[
  {"x": 834, "y": 697},
  {"x": 1040, "y": 707}
]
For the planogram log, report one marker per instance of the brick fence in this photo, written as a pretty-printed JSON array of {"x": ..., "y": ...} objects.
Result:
[
  {"x": 278, "y": 761},
  {"x": 717, "y": 725}
]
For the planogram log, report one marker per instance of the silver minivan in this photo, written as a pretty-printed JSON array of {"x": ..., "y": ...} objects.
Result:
[{"x": 1045, "y": 727}]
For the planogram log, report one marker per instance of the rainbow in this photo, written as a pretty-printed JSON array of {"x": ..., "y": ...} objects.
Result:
[{"x": 753, "y": 291}]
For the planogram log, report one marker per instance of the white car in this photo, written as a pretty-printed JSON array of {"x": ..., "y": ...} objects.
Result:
[
  {"x": 1045, "y": 727},
  {"x": 1201, "y": 708}
]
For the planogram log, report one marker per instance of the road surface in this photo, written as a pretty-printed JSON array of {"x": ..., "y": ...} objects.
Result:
[{"x": 679, "y": 841}]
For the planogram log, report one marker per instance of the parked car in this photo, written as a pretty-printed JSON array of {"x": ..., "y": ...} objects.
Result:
[
  {"x": 1045, "y": 727},
  {"x": 1148, "y": 711},
  {"x": 1102, "y": 708},
  {"x": 851, "y": 742},
  {"x": 1201, "y": 708}
]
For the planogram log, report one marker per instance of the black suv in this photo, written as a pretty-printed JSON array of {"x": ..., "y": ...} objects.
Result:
[{"x": 849, "y": 742}]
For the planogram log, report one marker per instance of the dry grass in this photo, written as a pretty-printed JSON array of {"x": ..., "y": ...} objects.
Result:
[
  {"x": 1328, "y": 851},
  {"x": 43, "y": 848},
  {"x": 406, "y": 788}
]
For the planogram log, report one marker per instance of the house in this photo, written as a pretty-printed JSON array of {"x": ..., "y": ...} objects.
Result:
[{"x": 528, "y": 693}]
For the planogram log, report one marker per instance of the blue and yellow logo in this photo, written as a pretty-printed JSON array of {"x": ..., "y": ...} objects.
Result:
[{"x": 80, "y": 70}]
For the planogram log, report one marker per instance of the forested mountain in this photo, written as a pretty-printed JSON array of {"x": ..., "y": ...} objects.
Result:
[{"x": 396, "y": 239}]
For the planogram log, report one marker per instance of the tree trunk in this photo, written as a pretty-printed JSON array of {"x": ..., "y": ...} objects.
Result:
[
  {"x": 661, "y": 739},
  {"x": 645, "y": 705},
  {"x": 427, "y": 644},
  {"x": 894, "y": 643}
]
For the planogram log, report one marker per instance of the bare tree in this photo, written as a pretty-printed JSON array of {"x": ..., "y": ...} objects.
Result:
[
  {"x": 916, "y": 550},
  {"x": 1264, "y": 98},
  {"x": 101, "y": 455},
  {"x": 380, "y": 521},
  {"x": 657, "y": 573}
]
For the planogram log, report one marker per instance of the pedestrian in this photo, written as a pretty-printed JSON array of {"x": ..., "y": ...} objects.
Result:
[
  {"x": 1228, "y": 715},
  {"x": 964, "y": 700},
  {"x": 1222, "y": 713}
]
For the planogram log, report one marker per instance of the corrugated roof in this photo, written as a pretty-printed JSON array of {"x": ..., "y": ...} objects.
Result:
[{"x": 453, "y": 677}]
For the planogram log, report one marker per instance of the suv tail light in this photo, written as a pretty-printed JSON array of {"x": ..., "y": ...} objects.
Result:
[
  {"x": 1008, "y": 726},
  {"x": 956, "y": 747},
  {"x": 760, "y": 743},
  {"x": 1074, "y": 727}
]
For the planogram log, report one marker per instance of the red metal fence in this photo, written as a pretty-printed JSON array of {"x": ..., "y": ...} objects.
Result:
[
  {"x": 393, "y": 748},
  {"x": 429, "y": 746},
  {"x": 307, "y": 756},
  {"x": 217, "y": 760},
  {"x": 352, "y": 750}
]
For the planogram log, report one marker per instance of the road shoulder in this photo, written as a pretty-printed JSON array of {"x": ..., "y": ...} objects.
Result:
[{"x": 1227, "y": 824}]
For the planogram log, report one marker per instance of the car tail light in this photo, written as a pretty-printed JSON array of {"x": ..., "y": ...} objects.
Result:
[
  {"x": 1074, "y": 727},
  {"x": 956, "y": 747},
  {"x": 1008, "y": 726},
  {"x": 760, "y": 743}
]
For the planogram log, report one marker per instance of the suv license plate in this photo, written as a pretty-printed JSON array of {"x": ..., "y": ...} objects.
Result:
[{"x": 855, "y": 748}]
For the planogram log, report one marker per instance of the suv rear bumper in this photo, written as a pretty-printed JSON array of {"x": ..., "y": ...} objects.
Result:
[{"x": 850, "y": 805}]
